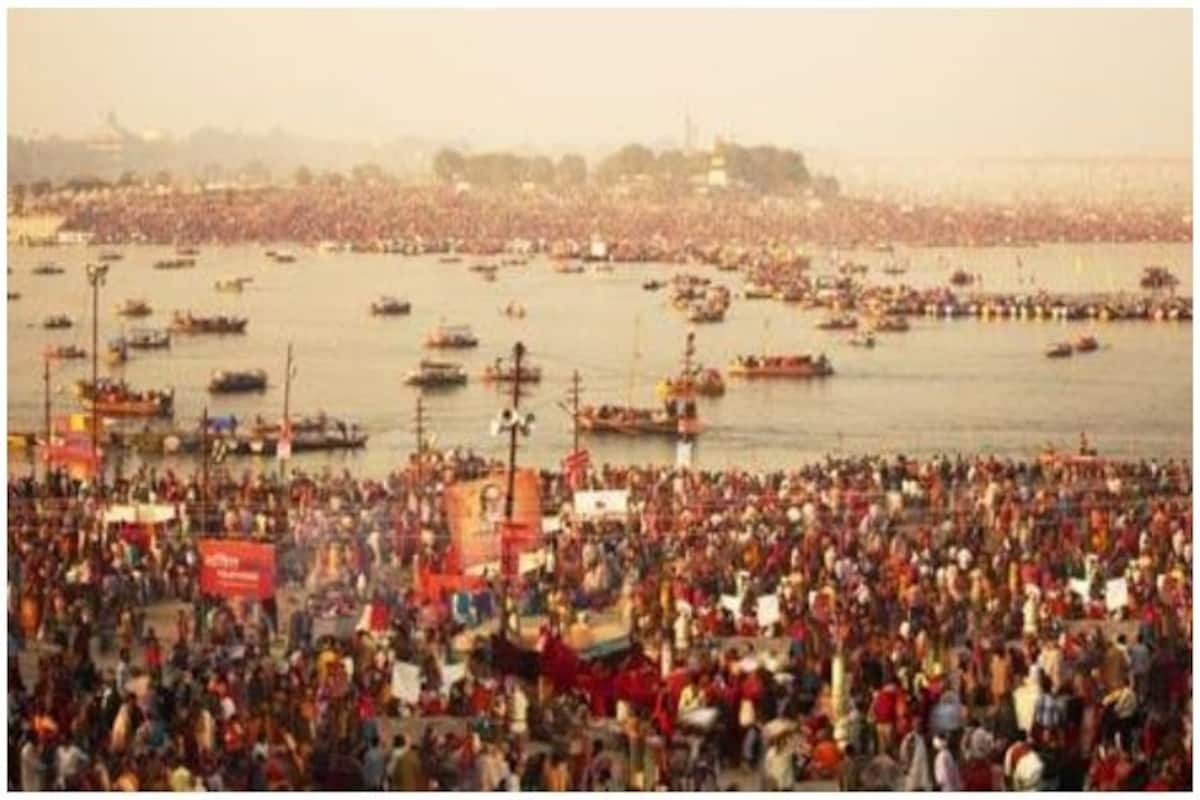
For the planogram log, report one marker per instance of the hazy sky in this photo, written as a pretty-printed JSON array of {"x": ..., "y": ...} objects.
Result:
[{"x": 940, "y": 82}]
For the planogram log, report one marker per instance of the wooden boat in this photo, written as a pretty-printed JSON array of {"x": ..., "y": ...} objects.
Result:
[
  {"x": 1059, "y": 350},
  {"x": 110, "y": 255},
  {"x": 67, "y": 352},
  {"x": 703, "y": 382},
  {"x": 175, "y": 263},
  {"x": 862, "y": 340},
  {"x": 134, "y": 308},
  {"x": 501, "y": 372},
  {"x": 451, "y": 337},
  {"x": 891, "y": 323},
  {"x": 232, "y": 284},
  {"x": 893, "y": 271},
  {"x": 483, "y": 269},
  {"x": 568, "y": 269},
  {"x": 450, "y": 259},
  {"x": 1086, "y": 344},
  {"x": 961, "y": 278},
  {"x": 793, "y": 366},
  {"x": 56, "y": 322},
  {"x": 231, "y": 381},
  {"x": 706, "y": 313},
  {"x": 117, "y": 399},
  {"x": 1157, "y": 278},
  {"x": 838, "y": 323},
  {"x": 284, "y": 257},
  {"x": 629, "y": 421},
  {"x": 653, "y": 285},
  {"x": 756, "y": 291},
  {"x": 437, "y": 374},
  {"x": 148, "y": 339},
  {"x": 187, "y": 251},
  {"x": 186, "y": 322},
  {"x": 48, "y": 268},
  {"x": 388, "y": 306}
]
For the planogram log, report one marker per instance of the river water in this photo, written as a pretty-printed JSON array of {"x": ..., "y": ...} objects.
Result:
[{"x": 945, "y": 386}]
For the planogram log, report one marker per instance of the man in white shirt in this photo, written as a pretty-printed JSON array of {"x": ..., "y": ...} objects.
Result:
[{"x": 945, "y": 768}]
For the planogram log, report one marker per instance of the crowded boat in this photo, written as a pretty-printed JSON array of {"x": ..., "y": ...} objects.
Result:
[
  {"x": 233, "y": 381},
  {"x": 187, "y": 322}
]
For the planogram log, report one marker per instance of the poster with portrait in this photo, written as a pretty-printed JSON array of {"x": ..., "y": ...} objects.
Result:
[{"x": 475, "y": 508}]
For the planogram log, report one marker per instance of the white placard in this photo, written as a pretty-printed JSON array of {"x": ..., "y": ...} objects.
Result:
[
  {"x": 733, "y": 603},
  {"x": 768, "y": 610},
  {"x": 1080, "y": 587},
  {"x": 406, "y": 682},
  {"x": 1116, "y": 594},
  {"x": 452, "y": 674}
]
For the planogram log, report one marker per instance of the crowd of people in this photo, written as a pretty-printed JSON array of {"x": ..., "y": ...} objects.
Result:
[
  {"x": 956, "y": 623},
  {"x": 635, "y": 226}
]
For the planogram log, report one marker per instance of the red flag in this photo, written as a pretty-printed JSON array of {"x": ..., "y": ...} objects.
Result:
[{"x": 575, "y": 467}]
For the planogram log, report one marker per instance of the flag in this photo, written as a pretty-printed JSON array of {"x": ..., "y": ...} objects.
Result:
[{"x": 575, "y": 467}]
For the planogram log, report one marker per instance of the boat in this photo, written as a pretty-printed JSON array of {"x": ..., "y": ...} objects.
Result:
[
  {"x": 961, "y": 278},
  {"x": 793, "y": 366},
  {"x": 175, "y": 263},
  {"x": 653, "y": 285},
  {"x": 703, "y": 382},
  {"x": 756, "y": 291},
  {"x": 437, "y": 374},
  {"x": 57, "y": 322},
  {"x": 1157, "y": 278},
  {"x": 134, "y": 308},
  {"x": 232, "y": 284},
  {"x": 865, "y": 339},
  {"x": 284, "y": 257},
  {"x": 513, "y": 311},
  {"x": 67, "y": 352},
  {"x": 48, "y": 269},
  {"x": 388, "y": 306},
  {"x": 450, "y": 259},
  {"x": 1086, "y": 344},
  {"x": 110, "y": 255},
  {"x": 838, "y": 323},
  {"x": 483, "y": 269},
  {"x": 229, "y": 381},
  {"x": 893, "y": 270},
  {"x": 451, "y": 336},
  {"x": 1059, "y": 350},
  {"x": 187, "y": 251},
  {"x": 568, "y": 269},
  {"x": 629, "y": 420},
  {"x": 117, "y": 399},
  {"x": 891, "y": 323},
  {"x": 501, "y": 372},
  {"x": 148, "y": 339},
  {"x": 706, "y": 313},
  {"x": 186, "y": 322},
  {"x": 791, "y": 294}
]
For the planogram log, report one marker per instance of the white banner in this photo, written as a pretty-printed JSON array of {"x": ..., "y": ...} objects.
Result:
[
  {"x": 768, "y": 610},
  {"x": 406, "y": 682},
  {"x": 1116, "y": 594}
]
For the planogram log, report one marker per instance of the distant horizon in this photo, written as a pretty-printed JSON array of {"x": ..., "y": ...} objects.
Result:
[{"x": 907, "y": 84}]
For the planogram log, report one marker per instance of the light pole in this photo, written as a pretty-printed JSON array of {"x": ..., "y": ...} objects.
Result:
[
  {"x": 95, "y": 276},
  {"x": 510, "y": 421}
]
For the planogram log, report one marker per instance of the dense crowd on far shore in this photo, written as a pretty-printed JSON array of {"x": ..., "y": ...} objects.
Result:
[
  {"x": 956, "y": 623},
  {"x": 637, "y": 226}
]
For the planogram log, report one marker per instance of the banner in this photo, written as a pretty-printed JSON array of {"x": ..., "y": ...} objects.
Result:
[
  {"x": 474, "y": 510},
  {"x": 235, "y": 568}
]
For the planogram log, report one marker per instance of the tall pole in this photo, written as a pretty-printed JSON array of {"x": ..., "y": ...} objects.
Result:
[
  {"x": 204, "y": 473},
  {"x": 575, "y": 410},
  {"x": 420, "y": 445},
  {"x": 518, "y": 353},
  {"x": 287, "y": 398},
  {"x": 95, "y": 274},
  {"x": 46, "y": 384}
]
